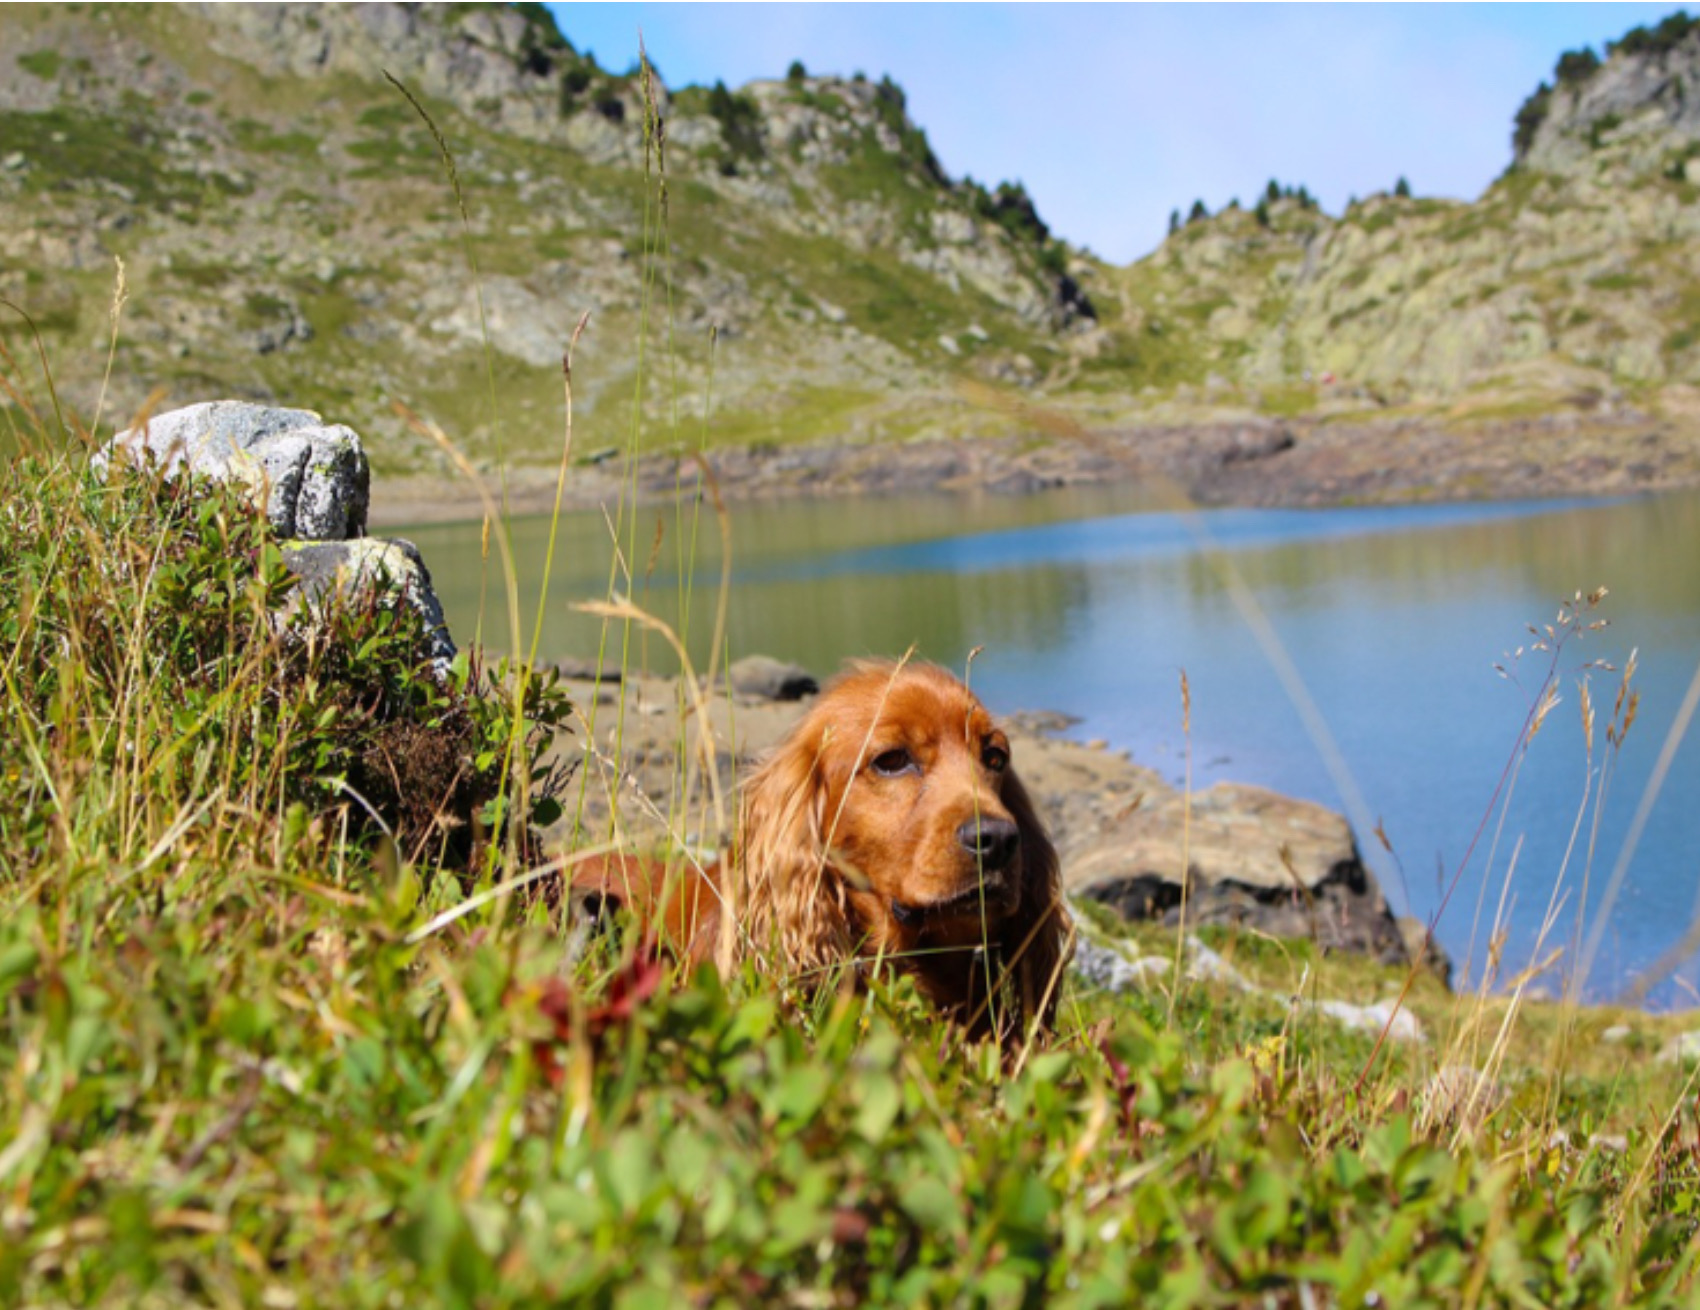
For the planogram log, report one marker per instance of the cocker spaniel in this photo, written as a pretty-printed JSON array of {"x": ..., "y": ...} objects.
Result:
[{"x": 888, "y": 829}]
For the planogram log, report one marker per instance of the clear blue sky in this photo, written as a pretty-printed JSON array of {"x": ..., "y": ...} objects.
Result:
[{"x": 1112, "y": 115}]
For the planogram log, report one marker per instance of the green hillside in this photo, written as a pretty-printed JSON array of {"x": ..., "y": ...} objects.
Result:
[
  {"x": 288, "y": 229},
  {"x": 791, "y": 248}
]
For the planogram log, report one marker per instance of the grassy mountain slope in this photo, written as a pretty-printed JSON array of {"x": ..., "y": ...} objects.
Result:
[{"x": 289, "y": 231}]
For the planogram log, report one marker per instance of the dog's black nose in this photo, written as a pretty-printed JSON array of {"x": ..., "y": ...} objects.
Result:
[{"x": 992, "y": 842}]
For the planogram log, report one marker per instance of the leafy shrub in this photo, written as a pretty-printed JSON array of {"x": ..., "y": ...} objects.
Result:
[
  {"x": 575, "y": 81},
  {"x": 1600, "y": 127},
  {"x": 1011, "y": 208},
  {"x": 796, "y": 73},
  {"x": 541, "y": 44},
  {"x": 1576, "y": 66},
  {"x": 892, "y": 107},
  {"x": 1275, "y": 191},
  {"x": 41, "y": 63},
  {"x": 173, "y": 650}
]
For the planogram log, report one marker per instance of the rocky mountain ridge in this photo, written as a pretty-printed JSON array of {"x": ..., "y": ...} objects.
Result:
[
  {"x": 1572, "y": 283},
  {"x": 788, "y": 255}
]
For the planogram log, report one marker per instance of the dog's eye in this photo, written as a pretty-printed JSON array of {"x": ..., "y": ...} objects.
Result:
[
  {"x": 995, "y": 758},
  {"x": 889, "y": 764}
]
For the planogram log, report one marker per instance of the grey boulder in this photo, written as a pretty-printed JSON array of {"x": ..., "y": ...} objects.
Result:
[
  {"x": 349, "y": 572},
  {"x": 763, "y": 678},
  {"x": 1254, "y": 857},
  {"x": 313, "y": 475}
]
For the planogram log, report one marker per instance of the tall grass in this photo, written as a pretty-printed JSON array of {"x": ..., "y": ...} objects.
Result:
[{"x": 292, "y": 1013}]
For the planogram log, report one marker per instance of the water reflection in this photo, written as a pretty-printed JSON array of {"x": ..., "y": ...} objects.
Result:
[{"x": 1093, "y": 603}]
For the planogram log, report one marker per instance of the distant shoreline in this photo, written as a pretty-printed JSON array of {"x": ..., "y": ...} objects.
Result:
[{"x": 1255, "y": 462}]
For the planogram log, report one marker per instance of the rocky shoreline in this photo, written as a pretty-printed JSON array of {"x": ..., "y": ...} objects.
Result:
[{"x": 1253, "y": 461}]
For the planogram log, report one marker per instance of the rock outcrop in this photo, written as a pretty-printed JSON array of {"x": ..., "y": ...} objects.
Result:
[
  {"x": 1644, "y": 93},
  {"x": 765, "y": 678},
  {"x": 313, "y": 475},
  {"x": 1570, "y": 281},
  {"x": 335, "y": 572},
  {"x": 313, "y": 482}
]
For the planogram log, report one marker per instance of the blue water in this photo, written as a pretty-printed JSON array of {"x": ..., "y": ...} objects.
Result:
[{"x": 1393, "y": 619}]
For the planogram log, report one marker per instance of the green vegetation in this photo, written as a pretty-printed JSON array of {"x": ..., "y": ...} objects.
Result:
[
  {"x": 1656, "y": 40},
  {"x": 1576, "y": 66},
  {"x": 1602, "y": 127},
  {"x": 41, "y": 63},
  {"x": 1275, "y": 191},
  {"x": 1012, "y": 209},
  {"x": 892, "y": 107},
  {"x": 77, "y": 152},
  {"x": 260, "y": 138},
  {"x": 740, "y": 126},
  {"x": 262, "y": 1042},
  {"x": 1530, "y": 115},
  {"x": 245, "y": 1057}
]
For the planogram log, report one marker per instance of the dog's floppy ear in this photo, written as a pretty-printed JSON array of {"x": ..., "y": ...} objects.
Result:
[
  {"x": 1038, "y": 938},
  {"x": 792, "y": 905}
]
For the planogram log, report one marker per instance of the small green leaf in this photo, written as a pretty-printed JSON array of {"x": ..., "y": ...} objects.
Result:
[
  {"x": 932, "y": 1205},
  {"x": 881, "y": 1103}
]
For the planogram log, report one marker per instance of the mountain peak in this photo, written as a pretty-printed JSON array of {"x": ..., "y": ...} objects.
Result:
[{"x": 1640, "y": 103}]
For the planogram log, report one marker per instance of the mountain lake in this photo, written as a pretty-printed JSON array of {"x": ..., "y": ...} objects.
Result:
[{"x": 1365, "y": 658}]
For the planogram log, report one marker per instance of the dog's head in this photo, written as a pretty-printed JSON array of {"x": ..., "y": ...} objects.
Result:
[{"x": 891, "y": 825}]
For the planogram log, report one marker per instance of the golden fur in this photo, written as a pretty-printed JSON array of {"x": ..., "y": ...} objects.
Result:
[{"x": 888, "y": 829}]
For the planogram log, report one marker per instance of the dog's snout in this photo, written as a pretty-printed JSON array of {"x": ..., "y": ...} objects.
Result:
[{"x": 992, "y": 842}]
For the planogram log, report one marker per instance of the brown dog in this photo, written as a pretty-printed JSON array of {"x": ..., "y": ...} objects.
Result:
[{"x": 888, "y": 827}]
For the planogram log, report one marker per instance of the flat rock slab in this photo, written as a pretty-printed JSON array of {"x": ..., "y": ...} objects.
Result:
[
  {"x": 1241, "y": 855},
  {"x": 314, "y": 475},
  {"x": 1233, "y": 832}
]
